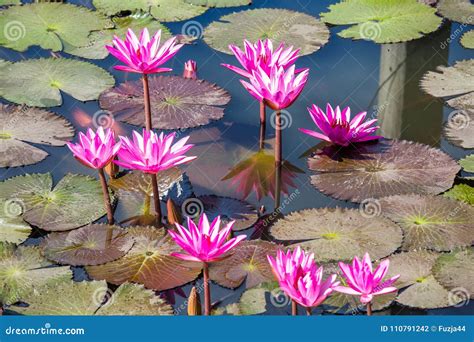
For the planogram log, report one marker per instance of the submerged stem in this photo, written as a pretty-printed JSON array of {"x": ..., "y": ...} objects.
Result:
[
  {"x": 309, "y": 311},
  {"x": 105, "y": 192},
  {"x": 369, "y": 309},
  {"x": 263, "y": 123},
  {"x": 207, "y": 290},
  {"x": 146, "y": 99},
  {"x": 278, "y": 154},
  {"x": 294, "y": 308},
  {"x": 156, "y": 199}
]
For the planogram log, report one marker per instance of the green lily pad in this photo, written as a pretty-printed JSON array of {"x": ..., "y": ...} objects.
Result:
[
  {"x": 456, "y": 83},
  {"x": 246, "y": 262},
  {"x": 21, "y": 125},
  {"x": 219, "y": 3},
  {"x": 163, "y": 10},
  {"x": 48, "y": 25},
  {"x": 461, "y": 192},
  {"x": 12, "y": 227},
  {"x": 9, "y": 2},
  {"x": 176, "y": 102},
  {"x": 455, "y": 270},
  {"x": 467, "y": 39},
  {"x": 90, "y": 245},
  {"x": 148, "y": 262},
  {"x": 75, "y": 201},
  {"x": 373, "y": 170},
  {"x": 418, "y": 286},
  {"x": 343, "y": 304},
  {"x": 383, "y": 21},
  {"x": 22, "y": 270},
  {"x": 430, "y": 222},
  {"x": 461, "y": 11},
  {"x": 46, "y": 78},
  {"x": 95, "y": 47},
  {"x": 280, "y": 25},
  {"x": 88, "y": 298},
  {"x": 467, "y": 163},
  {"x": 328, "y": 233}
]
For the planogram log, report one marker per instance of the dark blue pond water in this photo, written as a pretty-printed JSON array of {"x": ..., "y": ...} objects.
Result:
[{"x": 343, "y": 72}]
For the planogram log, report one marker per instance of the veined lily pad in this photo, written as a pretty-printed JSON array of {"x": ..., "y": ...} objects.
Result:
[
  {"x": 74, "y": 202},
  {"x": 91, "y": 245},
  {"x": 163, "y": 10},
  {"x": 461, "y": 192},
  {"x": 457, "y": 10},
  {"x": 467, "y": 163},
  {"x": 459, "y": 129},
  {"x": 280, "y": 25},
  {"x": 12, "y": 227},
  {"x": 48, "y": 25},
  {"x": 329, "y": 232},
  {"x": 46, "y": 78},
  {"x": 176, "y": 102},
  {"x": 22, "y": 270},
  {"x": 455, "y": 270},
  {"x": 148, "y": 263},
  {"x": 20, "y": 125},
  {"x": 374, "y": 170},
  {"x": 219, "y": 3},
  {"x": 383, "y": 21},
  {"x": 95, "y": 47},
  {"x": 248, "y": 261},
  {"x": 467, "y": 39},
  {"x": 422, "y": 290},
  {"x": 94, "y": 298},
  {"x": 430, "y": 222},
  {"x": 455, "y": 82}
]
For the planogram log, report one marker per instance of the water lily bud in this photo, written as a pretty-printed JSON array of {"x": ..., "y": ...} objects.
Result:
[
  {"x": 174, "y": 216},
  {"x": 194, "y": 303}
]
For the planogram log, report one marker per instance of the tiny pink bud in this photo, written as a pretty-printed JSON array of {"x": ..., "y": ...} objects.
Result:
[{"x": 190, "y": 69}]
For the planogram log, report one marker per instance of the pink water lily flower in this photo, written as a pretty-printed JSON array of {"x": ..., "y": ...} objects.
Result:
[
  {"x": 144, "y": 55},
  {"x": 152, "y": 153},
  {"x": 338, "y": 128},
  {"x": 261, "y": 54},
  {"x": 363, "y": 281},
  {"x": 300, "y": 278},
  {"x": 95, "y": 149},
  {"x": 278, "y": 89},
  {"x": 205, "y": 242}
]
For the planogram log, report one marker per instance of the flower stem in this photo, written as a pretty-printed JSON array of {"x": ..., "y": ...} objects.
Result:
[
  {"x": 309, "y": 311},
  {"x": 263, "y": 124},
  {"x": 105, "y": 192},
  {"x": 156, "y": 199},
  {"x": 294, "y": 308},
  {"x": 278, "y": 154},
  {"x": 369, "y": 309},
  {"x": 146, "y": 99},
  {"x": 207, "y": 290}
]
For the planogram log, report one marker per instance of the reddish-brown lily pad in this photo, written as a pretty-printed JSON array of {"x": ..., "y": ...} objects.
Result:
[
  {"x": 176, "y": 102},
  {"x": 374, "y": 170},
  {"x": 246, "y": 262},
  {"x": 91, "y": 245}
]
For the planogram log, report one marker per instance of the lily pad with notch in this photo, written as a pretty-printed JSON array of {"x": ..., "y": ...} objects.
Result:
[
  {"x": 373, "y": 170},
  {"x": 327, "y": 232},
  {"x": 280, "y": 25},
  {"x": 461, "y": 11},
  {"x": 176, "y": 102},
  {"x": 23, "y": 125},
  {"x": 75, "y": 201},
  {"x": 12, "y": 227}
]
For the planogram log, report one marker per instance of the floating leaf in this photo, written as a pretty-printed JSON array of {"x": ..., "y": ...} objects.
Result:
[
  {"x": 455, "y": 82},
  {"x": 230, "y": 209},
  {"x": 12, "y": 227},
  {"x": 163, "y": 10},
  {"x": 459, "y": 129},
  {"x": 328, "y": 233},
  {"x": 383, "y": 21},
  {"x": 340, "y": 303},
  {"x": 176, "y": 102},
  {"x": 48, "y": 25},
  {"x": 455, "y": 270},
  {"x": 74, "y": 202},
  {"x": 91, "y": 245},
  {"x": 219, "y": 3},
  {"x": 467, "y": 39},
  {"x": 95, "y": 47},
  {"x": 467, "y": 163},
  {"x": 46, "y": 78},
  {"x": 461, "y": 192},
  {"x": 430, "y": 222},
  {"x": 248, "y": 261},
  {"x": 299, "y": 29},
  {"x": 457, "y": 10},
  {"x": 22, "y": 270},
  {"x": 422, "y": 290},
  {"x": 148, "y": 263},
  {"x": 21, "y": 125},
  {"x": 374, "y": 170},
  {"x": 9, "y": 2}
]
